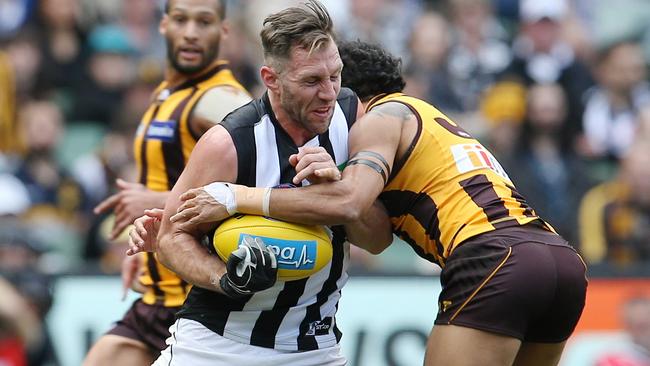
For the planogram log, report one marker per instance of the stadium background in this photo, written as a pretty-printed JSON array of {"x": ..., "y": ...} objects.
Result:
[{"x": 571, "y": 126}]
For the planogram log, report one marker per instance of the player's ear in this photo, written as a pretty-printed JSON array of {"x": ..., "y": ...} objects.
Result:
[
  {"x": 225, "y": 29},
  {"x": 270, "y": 78},
  {"x": 162, "y": 26}
]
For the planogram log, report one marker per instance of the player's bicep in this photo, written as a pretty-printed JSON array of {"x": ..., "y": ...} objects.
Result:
[{"x": 373, "y": 144}]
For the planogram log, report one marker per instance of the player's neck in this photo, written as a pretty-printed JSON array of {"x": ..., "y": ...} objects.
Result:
[
  {"x": 293, "y": 128},
  {"x": 175, "y": 77}
]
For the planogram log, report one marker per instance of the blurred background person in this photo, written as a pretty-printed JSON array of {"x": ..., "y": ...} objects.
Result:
[
  {"x": 62, "y": 45},
  {"x": 541, "y": 55},
  {"x": 613, "y": 105},
  {"x": 12, "y": 344},
  {"x": 24, "y": 289},
  {"x": 109, "y": 72},
  {"x": 427, "y": 75},
  {"x": 615, "y": 215},
  {"x": 58, "y": 202},
  {"x": 635, "y": 316},
  {"x": 478, "y": 52},
  {"x": 548, "y": 174},
  {"x": 503, "y": 107}
]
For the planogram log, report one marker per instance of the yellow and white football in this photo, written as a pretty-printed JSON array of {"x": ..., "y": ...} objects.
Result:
[{"x": 301, "y": 250}]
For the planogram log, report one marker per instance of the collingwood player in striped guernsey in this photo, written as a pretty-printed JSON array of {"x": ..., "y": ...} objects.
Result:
[
  {"x": 198, "y": 91},
  {"x": 304, "y": 109},
  {"x": 512, "y": 289}
]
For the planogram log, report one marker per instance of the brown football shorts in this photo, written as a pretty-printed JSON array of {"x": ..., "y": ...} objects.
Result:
[
  {"x": 146, "y": 323},
  {"x": 524, "y": 282}
]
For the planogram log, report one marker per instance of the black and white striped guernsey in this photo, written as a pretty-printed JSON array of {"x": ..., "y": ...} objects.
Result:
[{"x": 295, "y": 315}]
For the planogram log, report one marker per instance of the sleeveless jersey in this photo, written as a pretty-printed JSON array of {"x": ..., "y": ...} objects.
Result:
[
  {"x": 448, "y": 187},
  {"x": 162, "y": 146},
  {"x": 292, "y": 315}
]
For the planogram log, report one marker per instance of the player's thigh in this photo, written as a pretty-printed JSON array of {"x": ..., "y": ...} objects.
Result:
[
  {"x": 462, "y": 346},
  {"x": 539, "y": 354},
  {"x": 112, "y": 350}
]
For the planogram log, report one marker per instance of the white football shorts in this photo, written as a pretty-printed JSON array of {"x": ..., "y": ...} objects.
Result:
[{"x": 193, "y": 344}]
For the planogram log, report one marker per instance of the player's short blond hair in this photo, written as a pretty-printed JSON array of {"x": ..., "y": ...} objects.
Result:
[{"x": 308, "y": 26}]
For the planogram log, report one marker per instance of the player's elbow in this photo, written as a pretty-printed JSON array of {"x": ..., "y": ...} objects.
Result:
[
  {"x": 375, "y": 243},
  {"x": 377, "y": 247},
  {"x": 349, "y": 213},
  {"x": 346, "y": 206}
]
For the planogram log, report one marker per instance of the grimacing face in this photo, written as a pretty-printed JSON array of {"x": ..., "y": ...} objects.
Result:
[
  {"x": 192, "y": 30},
  {"x": 309, "y": 86}
]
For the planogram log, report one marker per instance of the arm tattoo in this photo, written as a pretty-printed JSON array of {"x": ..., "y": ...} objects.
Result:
[{"x": 398, "y": 110}]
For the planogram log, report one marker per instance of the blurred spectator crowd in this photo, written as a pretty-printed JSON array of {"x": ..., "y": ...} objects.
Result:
[{"x": 558, "y": 90}]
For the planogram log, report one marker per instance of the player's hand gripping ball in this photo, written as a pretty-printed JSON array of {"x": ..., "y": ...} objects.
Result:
[
  {"x": 250, "y": 268},
  {"x": 300, "y": 250}
]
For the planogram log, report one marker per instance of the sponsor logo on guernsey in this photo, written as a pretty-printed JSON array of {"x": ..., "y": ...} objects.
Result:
[
  {"x": 162, "y": 130},
  {"x": 291, "y": 254},
  {"x": 470, "y": 157},
  {"x": 320, "y": 327}
]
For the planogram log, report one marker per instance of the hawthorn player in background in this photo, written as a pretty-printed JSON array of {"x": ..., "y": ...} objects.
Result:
[
  {"x": 512, "y": 289},
  {"x": 198, "y": 91}
]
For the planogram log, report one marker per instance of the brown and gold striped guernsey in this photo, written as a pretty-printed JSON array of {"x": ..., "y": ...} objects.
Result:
[
  {"x": 162, "y": 146},
  {"x": 448, "y": 187}
]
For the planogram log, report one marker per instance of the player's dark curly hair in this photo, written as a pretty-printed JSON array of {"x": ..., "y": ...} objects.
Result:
[{"x": 370, "y": 70}]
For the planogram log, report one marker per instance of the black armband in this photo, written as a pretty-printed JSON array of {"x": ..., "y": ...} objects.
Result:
[
  {"x": 376, "y": 167},
  {"x": 376, "y": 156}
]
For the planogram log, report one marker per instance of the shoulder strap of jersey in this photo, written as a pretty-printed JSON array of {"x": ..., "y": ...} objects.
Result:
[
  {"x": 349, "y": 103},
  {"x": 240, "y": 124}
]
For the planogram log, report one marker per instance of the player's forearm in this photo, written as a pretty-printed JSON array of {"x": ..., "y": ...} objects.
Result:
[
  {"x": 372, "y": 231},
  {"x": 321, "y": 204},
  {"x": 184, "y": 255}
]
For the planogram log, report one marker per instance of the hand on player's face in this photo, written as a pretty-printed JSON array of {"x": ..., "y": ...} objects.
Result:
[
  {"x": 315, "y": 165},
  {"x": 142, "y": 238},
  {"x": 198, "y": 207}
]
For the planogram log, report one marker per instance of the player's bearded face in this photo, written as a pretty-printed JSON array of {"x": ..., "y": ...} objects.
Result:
[
  {"x": 310, "y": 85},
  {"x": 192, "y": 35},
  {"x": 200, "y": 59}
]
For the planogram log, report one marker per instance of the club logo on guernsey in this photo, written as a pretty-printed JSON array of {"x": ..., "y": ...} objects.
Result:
[
  {"x": 291, "y": 254},
  {"x": 470, "y": 157},
  {"x": 162, "y": 130}
]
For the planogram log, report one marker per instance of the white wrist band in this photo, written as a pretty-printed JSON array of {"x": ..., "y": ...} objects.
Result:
[
  {"x": 223, "y": 194},
  {"x": 266, "y": 201}
]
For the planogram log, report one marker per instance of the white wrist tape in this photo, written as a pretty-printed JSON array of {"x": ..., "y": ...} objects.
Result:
[
  {"x": 223, "y": 194},
  {"x": 266, "y": 201}
]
